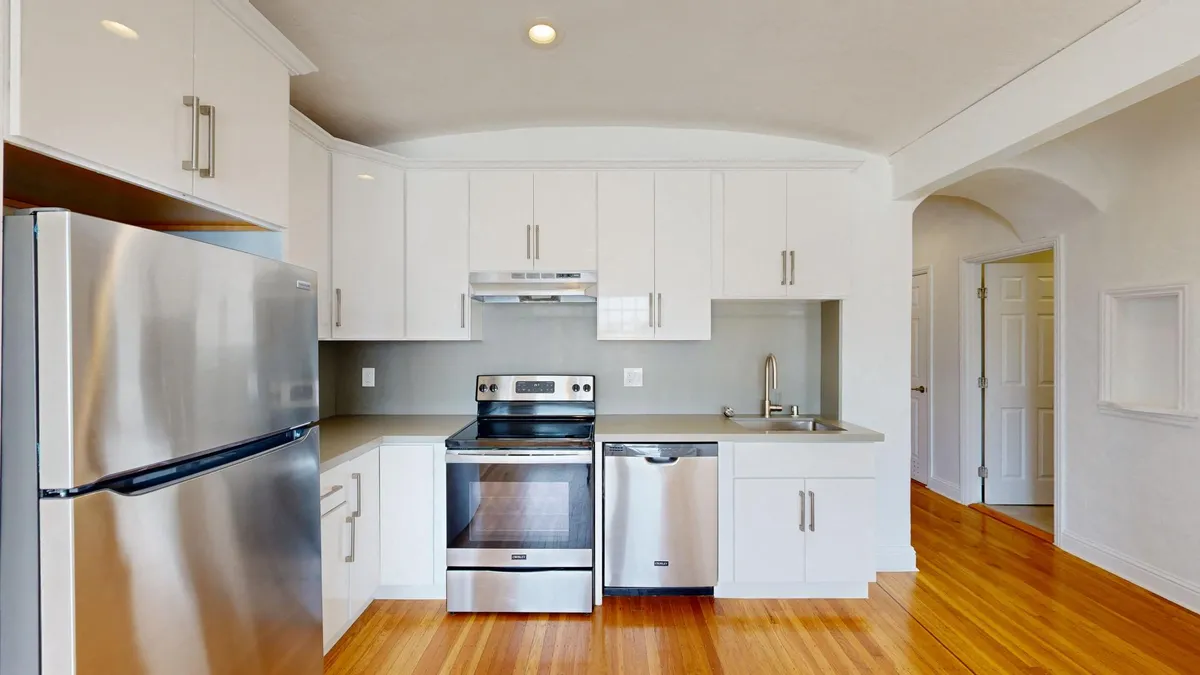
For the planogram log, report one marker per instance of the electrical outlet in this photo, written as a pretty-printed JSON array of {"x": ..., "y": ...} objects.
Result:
[
  {"x": 368, "y": 377},
  {"x": 633, "y": 377}
]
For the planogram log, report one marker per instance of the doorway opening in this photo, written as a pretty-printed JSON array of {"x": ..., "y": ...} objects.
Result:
[{"x": 1011, "y": 399}]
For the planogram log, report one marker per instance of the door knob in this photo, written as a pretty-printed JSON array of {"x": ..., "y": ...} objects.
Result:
[{"x": 920, "y": 389}]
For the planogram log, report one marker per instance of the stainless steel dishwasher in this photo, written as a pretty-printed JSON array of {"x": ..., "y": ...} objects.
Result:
[{"x": 660, "y": 518}]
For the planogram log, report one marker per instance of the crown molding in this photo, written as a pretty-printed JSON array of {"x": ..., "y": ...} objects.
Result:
[{"x": 257, "y": 25}]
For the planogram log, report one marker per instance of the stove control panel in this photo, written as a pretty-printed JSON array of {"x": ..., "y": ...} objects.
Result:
[{"x": 535, "y": 388}]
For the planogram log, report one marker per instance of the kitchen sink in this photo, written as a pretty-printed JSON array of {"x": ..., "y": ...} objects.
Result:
[{"x": 785, "y": 424}]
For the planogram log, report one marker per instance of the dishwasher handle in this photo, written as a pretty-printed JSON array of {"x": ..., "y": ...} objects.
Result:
[
  {"x": 662, "y": 460},
  {"x": 660, "y": 450}
]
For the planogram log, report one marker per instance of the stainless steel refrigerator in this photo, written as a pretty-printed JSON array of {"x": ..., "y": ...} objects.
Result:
[{"x": 159, "y": 488}]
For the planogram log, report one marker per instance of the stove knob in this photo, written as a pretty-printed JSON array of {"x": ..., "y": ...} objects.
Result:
[
  {"x": 483, "y": 387},
  {"x": 587, "y": 387},
  {"x": 575, "y": 388},
  {"x": 492, "y": 388}
]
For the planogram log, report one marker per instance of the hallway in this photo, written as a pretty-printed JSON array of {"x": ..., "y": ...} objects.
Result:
[{"x": 988, "y": 599}]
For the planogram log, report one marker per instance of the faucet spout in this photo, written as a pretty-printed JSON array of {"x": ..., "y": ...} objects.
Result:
[{"x": 770, "y": 382}]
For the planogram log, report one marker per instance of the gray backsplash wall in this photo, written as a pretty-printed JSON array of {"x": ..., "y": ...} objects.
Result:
[{"x": 679, "y": 377}]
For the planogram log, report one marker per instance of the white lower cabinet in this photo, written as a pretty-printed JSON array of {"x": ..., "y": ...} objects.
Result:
[
  {"x": 412, "y": 521},
  {"x": 335, "y": 574},
  {"x": 363, "y": 499},
  {"x": 802, "y": 522}
]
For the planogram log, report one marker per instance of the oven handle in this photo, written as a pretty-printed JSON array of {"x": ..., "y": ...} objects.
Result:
[{"x": 576, "y": 457}]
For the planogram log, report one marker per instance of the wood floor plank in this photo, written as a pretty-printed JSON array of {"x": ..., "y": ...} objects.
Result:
[{"x": 989, "y": 599}]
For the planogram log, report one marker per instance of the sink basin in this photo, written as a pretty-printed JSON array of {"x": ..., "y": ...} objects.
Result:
[{"x": 784, "y": 424}]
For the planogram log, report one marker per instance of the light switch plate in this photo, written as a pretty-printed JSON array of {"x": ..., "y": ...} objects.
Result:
[
  {"x": 633, "y": 377},
  {"x": 368, "y": 377}
]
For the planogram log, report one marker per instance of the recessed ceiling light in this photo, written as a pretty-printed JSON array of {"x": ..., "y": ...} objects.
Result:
[
  {"x": 119, "y": 29},
  {"x": 365, "y": 176},
  {"x": 542, "y": 34}
]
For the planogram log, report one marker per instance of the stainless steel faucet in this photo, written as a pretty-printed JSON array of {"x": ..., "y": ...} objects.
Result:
[{"x": 770, "y": 382}]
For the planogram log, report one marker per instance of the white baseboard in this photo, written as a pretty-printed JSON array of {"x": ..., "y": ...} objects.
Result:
[
  {"x": 945, "y": 488},
  {"x": 431, "y": 592},
  {"x": 896, "y": 559},
  {"x": 1173, "y": 588},
  {"x": 780, "y": 591}
]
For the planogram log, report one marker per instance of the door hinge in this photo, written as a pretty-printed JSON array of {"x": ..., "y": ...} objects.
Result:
[
  {"x": 981, "y": 293},
  {"x": 983, "y": 472},
  {"x": 983, "y": 383}
]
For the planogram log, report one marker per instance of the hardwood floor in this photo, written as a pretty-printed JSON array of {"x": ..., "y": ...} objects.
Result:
[{"x": 989, "y": 599}]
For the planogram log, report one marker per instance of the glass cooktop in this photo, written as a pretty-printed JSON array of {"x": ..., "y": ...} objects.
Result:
[{"x": 501, "y": 432}]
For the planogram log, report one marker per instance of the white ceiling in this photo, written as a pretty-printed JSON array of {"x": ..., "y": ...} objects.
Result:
[{"x": 868, "y": 74}]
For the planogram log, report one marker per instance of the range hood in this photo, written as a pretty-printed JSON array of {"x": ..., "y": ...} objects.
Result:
[{"x": 533, "y": 287}]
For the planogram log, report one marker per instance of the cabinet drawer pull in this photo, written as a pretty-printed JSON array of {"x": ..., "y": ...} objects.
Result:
[
  {"x": 812, "y": 511},
  {"x": 783, "y": 268},
  {"x": 462, "y": 310},
  {"x": 660, "y": 310},
  {"x": 333, "y": 490},
  {"x": 651, "y": 310},
  {"x": 193, "y": 164},
  {"x": 353, "y": 538},
  {"x": 802, "y": 510},
  {"x": 529, "y": 242},
  {"x": 337, "y": 307},
  {"x": 357, "y": 477},
  {"x": 537, "y": 242},
  {"x": 211, "y": 112},
  {"x": 792, "y": 255}
]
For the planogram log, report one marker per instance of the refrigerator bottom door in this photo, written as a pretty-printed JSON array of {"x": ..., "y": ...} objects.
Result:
[{"x": 218, "y": 574}]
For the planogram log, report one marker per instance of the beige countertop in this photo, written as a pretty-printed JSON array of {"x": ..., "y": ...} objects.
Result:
[
  {"x": 344, "y": 437},
  {"x": 694, "y": 428}
]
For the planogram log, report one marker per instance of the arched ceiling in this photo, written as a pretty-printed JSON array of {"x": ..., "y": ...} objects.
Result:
[{"x": 867, "y": 74}]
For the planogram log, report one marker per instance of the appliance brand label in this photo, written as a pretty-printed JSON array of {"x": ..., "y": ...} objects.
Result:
[
  {"x": 662, "y": 563},
  {"x": 518, "y": 556},
  {"x": 303, "y": 285}
]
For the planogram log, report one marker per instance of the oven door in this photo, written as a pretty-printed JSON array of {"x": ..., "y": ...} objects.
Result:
[{"x": 519, "y": 508}]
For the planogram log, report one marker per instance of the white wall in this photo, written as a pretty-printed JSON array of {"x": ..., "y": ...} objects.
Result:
[
  {"x": 1131, "y": 503},
  {"x": 945, "y": 230}
]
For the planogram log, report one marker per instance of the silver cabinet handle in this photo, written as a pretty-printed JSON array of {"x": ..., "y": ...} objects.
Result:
[
  {"x": 783, "y": 274},
  {"x": 529, "y": 242},
  {"x": 353, "y": 543},
  {"x": 651, "y": 310},
  {"x": 792, "y": 255},
  {"x": 193, "y": 164},
  {"x": 802, "y": 510},
  {"x": 357, "y": 478},
  {"x": 812, "y": 511},
  {"x": 537, "y": 242},
  {"x": 660, "y": 310},
  {"x": 462, "y": 310},
  {"x": 337, "y": 307},
  {"x": 211, "y": 112},
  {"x": 333, "y": 490}
]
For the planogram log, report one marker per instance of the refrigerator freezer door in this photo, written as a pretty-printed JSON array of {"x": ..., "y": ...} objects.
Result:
[
  {"x": 216, "y": 575},
  {"x": 154, "y": 347}
]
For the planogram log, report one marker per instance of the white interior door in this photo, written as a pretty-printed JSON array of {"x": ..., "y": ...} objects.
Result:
[
  {"x": 1018, "y": 411},
  {"x": 919, "y": 391}
]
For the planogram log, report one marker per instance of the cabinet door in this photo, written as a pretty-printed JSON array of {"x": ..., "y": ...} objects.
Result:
[
  {"x": 683, "y": 255},
  {"x": 437, "y": 247},
  {"x": 841, "y": 537},
  {"x": 335, "y": 574},
  {"x": 564, "y": 220},
  {"x": 768, "y": 537},
  {"x": 822, "y": 224},
  {"x": 625, "y": 257},
  {"x": 755, "y": 234},
  {"x": 501, "y": 221},
  {"x": 406, "y": 508},
  {"x": 364, "y": 500},
  {"x": 244, "y": 142},
  {"x": 306, "y": 241},
  {"x": 107, "y": 96},
  {"x": 368, "y": 249}
]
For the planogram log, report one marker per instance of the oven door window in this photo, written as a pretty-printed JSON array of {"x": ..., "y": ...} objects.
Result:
[{"x": 519, "y": 506}]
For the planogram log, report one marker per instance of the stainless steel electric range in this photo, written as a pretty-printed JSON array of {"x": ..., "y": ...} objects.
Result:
[{"x": 519, "y": 497}]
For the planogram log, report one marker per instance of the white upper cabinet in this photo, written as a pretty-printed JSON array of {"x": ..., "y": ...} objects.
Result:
[
  {"x": 437, "y": 220},
  {"x": 111, "y": 85},
  {"x": 822, "y": 216},
  {"x": 755, "y": 234},
  {"x": 683, "y": 255},
  {"x": 501, "y": 214},
  {"x": 306, "y": 241},
  {"x": 368, "y": 249},
  {"x": 564, "y": 220},
  {"x": 103, "y": 95},
  {"x": 626, "y": 255},
  {"x": 244, "y": 135},
  {"x": 655, "y": 256}
]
